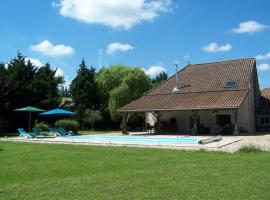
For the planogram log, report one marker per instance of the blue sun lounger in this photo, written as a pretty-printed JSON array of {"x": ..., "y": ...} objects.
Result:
[
  {"x": 26, "y": 135},
  {"x": 54, "y": 132},
  {"x": 38, "y": 132},
  {"x": 63, "y": 132}
]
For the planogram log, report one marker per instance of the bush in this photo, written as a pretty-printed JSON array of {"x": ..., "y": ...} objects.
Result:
[
  {"x": 68, "y": 124},
  {"x": 3, "y": 126},
  {"x": 250, "y": 149},
  {"x": 41, "y": 126},
  {"x": 92, "y": 116}
]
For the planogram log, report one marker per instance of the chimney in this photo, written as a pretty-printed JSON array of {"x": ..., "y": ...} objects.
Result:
[{"x": 177, "y": 81}]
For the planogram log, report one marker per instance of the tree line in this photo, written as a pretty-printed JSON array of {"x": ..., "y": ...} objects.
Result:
[{"x": 95, "y": 96}]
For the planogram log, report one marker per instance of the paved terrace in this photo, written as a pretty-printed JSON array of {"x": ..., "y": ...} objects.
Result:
[{"x": 227, "y": 144}]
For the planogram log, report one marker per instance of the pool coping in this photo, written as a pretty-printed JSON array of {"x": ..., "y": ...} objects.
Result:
[{"x": 217, "y": 146}]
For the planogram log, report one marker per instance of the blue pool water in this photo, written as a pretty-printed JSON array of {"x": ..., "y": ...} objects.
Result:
[{"x": 136, "y": 139}]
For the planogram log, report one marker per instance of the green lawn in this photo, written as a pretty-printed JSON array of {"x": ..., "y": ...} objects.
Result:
[{"x": 51, "y": 171}]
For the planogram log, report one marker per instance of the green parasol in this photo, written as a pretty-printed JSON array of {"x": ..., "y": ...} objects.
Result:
[{"x": 29, "y": 109}]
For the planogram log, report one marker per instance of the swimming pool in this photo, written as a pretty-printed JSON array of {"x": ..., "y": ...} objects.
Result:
[{"x": 134, "y": 139}]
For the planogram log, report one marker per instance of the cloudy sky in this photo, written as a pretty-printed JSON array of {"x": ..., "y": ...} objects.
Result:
[{"x": 151, "y": 34}]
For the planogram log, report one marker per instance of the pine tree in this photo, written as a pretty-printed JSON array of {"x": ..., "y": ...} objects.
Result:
[{"x": 84, "y": 89}]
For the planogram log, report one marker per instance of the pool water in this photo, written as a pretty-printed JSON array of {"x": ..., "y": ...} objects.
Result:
[{"x": 136, "y": 139}]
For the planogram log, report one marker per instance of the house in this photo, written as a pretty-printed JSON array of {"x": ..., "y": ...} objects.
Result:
[
  {"x": 263, "y": 111},
  {"x": 210, "y": 98}
]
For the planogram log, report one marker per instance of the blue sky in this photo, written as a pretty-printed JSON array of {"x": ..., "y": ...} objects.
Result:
[{"x": 152, "y": 34}]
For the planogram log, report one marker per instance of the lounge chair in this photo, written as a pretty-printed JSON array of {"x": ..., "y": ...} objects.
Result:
[
  {"x": 63, "y": 132},
  {"x": 54, "y": 132},
  {"x": 26, "y": 135},
  {"x": 39, "y": 133}
]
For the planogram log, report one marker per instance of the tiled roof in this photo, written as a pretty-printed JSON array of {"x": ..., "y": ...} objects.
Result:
[
  {"x": 210, "y": 76},
  {"x": 266, "y": 93},
  {"x": 202, "y": 88},
  {"x": 187, "y": 101},
  {"x": 264, "y": 106}
]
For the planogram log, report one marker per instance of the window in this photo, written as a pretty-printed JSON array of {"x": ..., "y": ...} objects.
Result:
[{"x": 231, "y": 84}]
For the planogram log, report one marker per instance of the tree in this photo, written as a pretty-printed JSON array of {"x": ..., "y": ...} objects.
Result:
[
  {"x": 23, "y": 84},
  {"x": 162, "y": 76},
  {"x": 3, "y": 70},
  {"x": 45, "y": 87},
  {"x": 21, "y": 74},
  {"x": 7, "y": 101},
  {"x": 92, "y": 116},
  {"x": 84, "y": 90},
  {"x": 6, "y": 95},
  {"x": 119, "y": 85},
  {"x": 64, "y": 91}
]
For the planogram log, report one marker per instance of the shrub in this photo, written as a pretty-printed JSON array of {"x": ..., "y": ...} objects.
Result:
[
  {"x": 68, "y": 124},
  {"x": 3, "y": 125},
  {"x": 92, "y": 116},
  {"x": 41, "y": 126},
  {"x": 250, "y": 149}
]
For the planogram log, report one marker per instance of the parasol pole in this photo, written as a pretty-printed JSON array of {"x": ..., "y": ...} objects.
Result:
[{"x": 29, "y": 121}]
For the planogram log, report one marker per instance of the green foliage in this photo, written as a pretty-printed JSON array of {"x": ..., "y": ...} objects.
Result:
[
  {"x": 3, "y": 125},
  {"x": 41, "y": 126},
  {"x": 23, "y": 84},
  {"x": 110, "y": 78},
  {"x": 64, "y": 91},
  {"x": 119, "y": 85},
  {"x": 92, "y": 116},
  {"x": 162, "y": 76},
  {"x": 84, "y": 89},
  {"x": 33, "y": 86},
  {"x": 6, "y": 94},
  {"x": 21, "y": 74},
  {"x": 3, "y": 70},
  {"x": 68, "y": 124},
  {"x": 46, "y": 86},
  {"x": 250, "y": 149},
  {"x": 133, "y": 86}
]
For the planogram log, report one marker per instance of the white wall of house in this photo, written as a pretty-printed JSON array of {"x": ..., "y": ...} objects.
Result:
[
  {"x": 243, "y": 116},
  {"x": 207, "y": 117}
]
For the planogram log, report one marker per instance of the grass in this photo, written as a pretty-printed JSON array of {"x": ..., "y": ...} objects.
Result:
[
  {"x": 250, "y": 149},
  {"x": 54, "y": 171}
]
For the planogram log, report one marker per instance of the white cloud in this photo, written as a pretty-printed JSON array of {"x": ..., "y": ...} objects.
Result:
[
  {"x": 114, "y": 47},
  {"x": 59, "y": 72},
  {"x": 214, "y": 47},
  {"x": 263, "y": 57},
  {"x": 6, "y": 65},
  {"x": 154, "y": 70},
  {"x": 113, "y": 13},
  {"x": 67, "y": 83},
  {"x": 263, "y": 67},
  {"x": 34, "y": 61},
  {"x": 47, "y": 48},
  {"x": 249, "y": 27}
]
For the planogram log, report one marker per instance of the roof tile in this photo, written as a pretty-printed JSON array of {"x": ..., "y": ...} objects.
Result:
[{"x": 203, "y": 87}]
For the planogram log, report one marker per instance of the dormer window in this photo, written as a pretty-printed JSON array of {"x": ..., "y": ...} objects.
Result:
[{"x": 231, "y": 84}]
